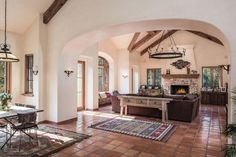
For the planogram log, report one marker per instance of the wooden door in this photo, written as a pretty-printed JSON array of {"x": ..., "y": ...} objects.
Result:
[{"x": 81, "y": 85}]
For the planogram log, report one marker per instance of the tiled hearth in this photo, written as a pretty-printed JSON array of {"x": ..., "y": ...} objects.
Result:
[{"x": 191, "y": 82}]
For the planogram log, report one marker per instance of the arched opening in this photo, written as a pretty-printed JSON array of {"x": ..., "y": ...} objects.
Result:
[
  {"x": 81, "y": 45},
  {"x": 111, "y": 70},
  {"x": 103, "y": 74}
]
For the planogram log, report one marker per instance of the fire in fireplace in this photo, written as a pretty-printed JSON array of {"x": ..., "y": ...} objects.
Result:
[{"x": 179, "y": 89}]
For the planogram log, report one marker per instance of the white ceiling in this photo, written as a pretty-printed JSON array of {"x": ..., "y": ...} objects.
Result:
[
  {"x": 22, "y": 13},
  {"x": 123, "y": 41}
]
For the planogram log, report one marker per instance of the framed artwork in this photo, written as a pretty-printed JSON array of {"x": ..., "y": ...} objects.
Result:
[{"x": 180, "y": 64}]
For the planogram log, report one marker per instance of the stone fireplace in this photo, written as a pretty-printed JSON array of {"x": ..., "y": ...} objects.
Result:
[
  {"x": 179, "y": 89},
  {"x": 190, "y": 82}
]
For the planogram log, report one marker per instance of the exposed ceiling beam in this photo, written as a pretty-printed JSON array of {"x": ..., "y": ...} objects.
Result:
[
  {"x": 134, "y": 39},
  {"x": 52, "y": 10},
  {"x": 151, "y": 32},
  {"x": 206, "y": 36},
  {"x": 158, "y": 41},
  {"x": 145, "y": 39}
]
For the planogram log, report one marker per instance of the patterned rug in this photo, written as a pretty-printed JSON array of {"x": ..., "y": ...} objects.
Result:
[
  {"x": 145, "y": 129},
  {"x": 49, "y": 140}
]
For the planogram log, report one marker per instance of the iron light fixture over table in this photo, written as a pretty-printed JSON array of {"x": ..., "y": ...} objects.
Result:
[
  {"x": 5, "y": 53},
  {"x": 160, "y": 53}
]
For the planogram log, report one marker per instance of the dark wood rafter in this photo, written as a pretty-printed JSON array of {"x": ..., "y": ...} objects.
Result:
[
  {"x": 145, "y": 39},
  {"x": 52, "y": 10},
  {"x": 206, "y": 36},
  {"x": 133, "y": 41},
  {"x": 158, "y": 41},
  {"x": 151, "y": 32}
]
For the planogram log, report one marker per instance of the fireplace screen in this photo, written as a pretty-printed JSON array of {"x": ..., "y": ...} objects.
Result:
[{"x": 179, "y": 89}]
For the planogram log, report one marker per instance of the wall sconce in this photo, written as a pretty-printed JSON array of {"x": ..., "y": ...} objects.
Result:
[
  {"x": 225, "y": 67},
  {"x": 124, "y": 76},
  {"x": 35, "y": 70},
  {"x": 68, "y": 72}
]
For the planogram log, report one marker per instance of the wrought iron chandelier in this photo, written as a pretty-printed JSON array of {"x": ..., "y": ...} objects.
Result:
[
  {"x": 160, "y": 53},
  {"x": 5, "y": 53}
]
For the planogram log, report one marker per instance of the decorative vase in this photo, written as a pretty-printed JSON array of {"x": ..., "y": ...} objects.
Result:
[
  {"x": 167, "y": 71},
  {"x": 188, "y": 70}
]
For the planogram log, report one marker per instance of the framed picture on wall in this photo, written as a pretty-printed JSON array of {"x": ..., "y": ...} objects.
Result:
[{"x": 154, "y": 77}]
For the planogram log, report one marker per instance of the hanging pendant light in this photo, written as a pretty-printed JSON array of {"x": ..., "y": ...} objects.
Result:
[
  {"x": 160, "y": 53},
  {"x": 5, "y": 53}
]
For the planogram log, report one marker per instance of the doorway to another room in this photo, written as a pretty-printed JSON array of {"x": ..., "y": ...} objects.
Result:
[
  {"x": 103, "y": 82},
  {"x": 81, "y": 86}
]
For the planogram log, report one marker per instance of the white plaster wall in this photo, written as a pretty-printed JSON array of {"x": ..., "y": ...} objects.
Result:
[{"x": 123, "y": 71}]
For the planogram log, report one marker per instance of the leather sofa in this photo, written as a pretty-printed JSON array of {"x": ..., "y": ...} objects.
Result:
[
  {"x": 182, "y": 108},
  {"x": 104, "y": 98}
]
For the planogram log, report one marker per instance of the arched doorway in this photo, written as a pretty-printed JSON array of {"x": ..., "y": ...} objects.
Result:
[
  {"x": 103, "y": 74},
  {"x": 111, "y": 70},
  {"x": 80, "y": 44}
]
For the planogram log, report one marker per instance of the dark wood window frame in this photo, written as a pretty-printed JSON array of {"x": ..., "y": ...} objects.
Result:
[
  {"x": 104, "y": 67},
  {"x": 212, "y": 81},
  {"x": 154, "y": 69},
  {"x": 83, "y": 84},
  {"x": 28, "y": 91},
  {"x": 7, "y": 77}
]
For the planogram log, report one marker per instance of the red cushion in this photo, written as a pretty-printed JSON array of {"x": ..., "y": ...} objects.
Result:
[{"x": 108, "y": 94}]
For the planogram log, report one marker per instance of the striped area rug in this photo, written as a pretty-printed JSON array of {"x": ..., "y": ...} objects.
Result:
[{"x": 145, "y": 129}]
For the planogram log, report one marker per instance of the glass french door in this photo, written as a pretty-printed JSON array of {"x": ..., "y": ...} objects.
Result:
[{"x": 80, "y": 85}]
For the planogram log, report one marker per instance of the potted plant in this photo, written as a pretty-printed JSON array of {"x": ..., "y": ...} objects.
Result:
[
  {"x": 230, "y": 131},
  {"x": 5, "y": 99}
]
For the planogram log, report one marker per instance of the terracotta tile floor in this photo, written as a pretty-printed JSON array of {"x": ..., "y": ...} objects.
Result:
[{"x": 197, "y": 139}]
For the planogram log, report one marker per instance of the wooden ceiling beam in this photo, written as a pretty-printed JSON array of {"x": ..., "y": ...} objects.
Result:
[
  {"x": 133, "y": 41},
  {"x": 151, "y": 32},
  {"x": 52, "y": 10},
  {"x": 206, "y": 36},
  {"x": 158, "y": 41},
  {"x": 145, "y": 39}
]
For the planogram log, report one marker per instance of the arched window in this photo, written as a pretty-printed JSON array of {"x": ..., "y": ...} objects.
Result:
[{"x": 103, "y": 74}]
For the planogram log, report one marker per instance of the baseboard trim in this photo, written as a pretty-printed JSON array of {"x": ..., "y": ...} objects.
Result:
[
  {"x": 68, "y": 121},
  {"x": 47, "y": 121},
  {"x": 96, "y": 109},
  {"x": 58, "y": 123}
]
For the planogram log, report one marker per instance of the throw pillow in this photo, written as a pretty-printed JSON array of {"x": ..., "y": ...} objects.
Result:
[
  {"x": 108, "y": 94},
  {"x": 103, "y": 95}
]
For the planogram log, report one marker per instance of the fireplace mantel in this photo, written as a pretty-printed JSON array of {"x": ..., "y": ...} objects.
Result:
[{"x": 186, "y": 76}]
